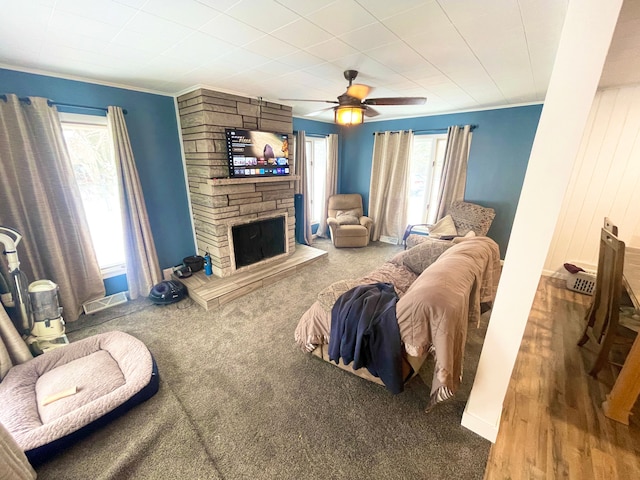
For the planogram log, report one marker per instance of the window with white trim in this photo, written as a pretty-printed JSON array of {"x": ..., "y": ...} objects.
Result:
[
  {"x": 316, "y": 153},
  {"x": 94, "y": 166},
  {"x": 425, "y": 175}
]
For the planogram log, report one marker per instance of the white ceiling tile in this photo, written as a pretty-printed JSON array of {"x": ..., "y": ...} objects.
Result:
[
  {"x": 221, "y": 5},
  {"x": 341, "y": 17},
  {"x": 198, "y": 47},
  {"x": 493, "y": 15},
  {"x": 153, "y": 25},
  {"x": 382, "y": 9},
  {"x": 266, "y": 15},
  {"x": 26, "y": 14},
  {"x": 155, "y": 42},
  {"x": 242, "y": 59},
  {"x": 231, "y": 30},
  {"x": 461, "y": 55},
  {"x": 301, "y": 33},
  {"x": 332, "y": 74},
  {"x": 419, "y": 20},
  {"x": 300, "y": 60},
  {"x": 189, "y": 13},
  {"x": 369, "y": 69},
  {"x": 76, "y": 41},
  {"x": 163, "y": 66},
  {"x": 270, "y": 47},
  {"x": 99, "y": 10},
  {"x": 370, "y": 36},
  {"x": 398, "y": 56},
  {"x": 130, "y": 3},
  {"x": 304, "y": 8},
  {"x": 331, "y": 49},
  {"x": 75, "y": 24}
]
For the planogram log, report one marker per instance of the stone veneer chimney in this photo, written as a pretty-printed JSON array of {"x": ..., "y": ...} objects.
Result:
[{"x": 219, "y": 202}]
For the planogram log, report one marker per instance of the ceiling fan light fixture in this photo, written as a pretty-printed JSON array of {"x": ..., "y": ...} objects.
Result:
[{"x": 348, "y": 115}]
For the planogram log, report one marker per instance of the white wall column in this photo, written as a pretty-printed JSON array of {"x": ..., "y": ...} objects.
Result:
[{"x": 585, "y": 39}]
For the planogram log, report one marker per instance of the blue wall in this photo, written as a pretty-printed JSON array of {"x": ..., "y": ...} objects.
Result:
[
  {"x": 498, "y": 157},
  {"x": 153, "y": 131},
  {"x": 314, "y": 127}
]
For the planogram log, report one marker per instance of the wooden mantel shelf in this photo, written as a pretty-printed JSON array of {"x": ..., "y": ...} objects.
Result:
[{"x": 245, "y": 180}]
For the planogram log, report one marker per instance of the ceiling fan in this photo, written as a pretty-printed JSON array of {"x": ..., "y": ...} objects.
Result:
[{"x": 353, "y": 106}]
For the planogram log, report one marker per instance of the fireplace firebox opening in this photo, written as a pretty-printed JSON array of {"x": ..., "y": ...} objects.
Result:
[{"x": 259, "y": 240}]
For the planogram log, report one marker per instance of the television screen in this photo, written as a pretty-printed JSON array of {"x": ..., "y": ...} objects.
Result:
[{"x": 257, "y": 154}]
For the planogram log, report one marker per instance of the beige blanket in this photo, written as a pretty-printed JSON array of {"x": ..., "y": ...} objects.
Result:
[{"x": 433, "y": 312}]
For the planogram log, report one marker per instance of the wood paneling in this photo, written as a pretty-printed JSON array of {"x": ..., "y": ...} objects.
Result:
[
  {"x": 605, "y": 181},
  {"x": 552, "y": 424}
]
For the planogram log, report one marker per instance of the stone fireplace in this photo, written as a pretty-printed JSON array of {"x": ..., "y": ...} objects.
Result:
[
  {"x": 237, "y": 201},
  {"x": 219, "y": 203}
]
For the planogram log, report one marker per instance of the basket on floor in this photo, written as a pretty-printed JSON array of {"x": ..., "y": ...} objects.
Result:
[{"x": 582, "y": 282}]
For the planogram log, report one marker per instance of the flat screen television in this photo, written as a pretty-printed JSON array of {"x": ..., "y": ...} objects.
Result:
[{"x": 252, "y": 153}]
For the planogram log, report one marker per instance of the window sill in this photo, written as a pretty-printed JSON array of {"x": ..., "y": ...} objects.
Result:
[{"x": 113, "y": 270}]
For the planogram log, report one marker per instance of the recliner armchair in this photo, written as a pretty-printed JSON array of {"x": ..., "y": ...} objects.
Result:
[{"x": 348, "y": 225}]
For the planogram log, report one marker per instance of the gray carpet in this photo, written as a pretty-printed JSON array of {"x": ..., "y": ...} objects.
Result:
[{"x": 239, "y": 400}]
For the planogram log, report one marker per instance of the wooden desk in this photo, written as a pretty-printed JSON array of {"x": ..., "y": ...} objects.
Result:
[{"x": 626, "y": 389}]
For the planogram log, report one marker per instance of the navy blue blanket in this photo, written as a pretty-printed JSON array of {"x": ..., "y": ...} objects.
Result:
[{"x": 364, "y": 330}]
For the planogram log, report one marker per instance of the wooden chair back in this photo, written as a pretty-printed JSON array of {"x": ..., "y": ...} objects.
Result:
[
  {"x": 604, "y": 314},
  {"x": 610, "y": 227}
]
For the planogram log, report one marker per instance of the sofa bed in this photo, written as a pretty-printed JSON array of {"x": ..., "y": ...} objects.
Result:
[{"x": 441, "y": 288}]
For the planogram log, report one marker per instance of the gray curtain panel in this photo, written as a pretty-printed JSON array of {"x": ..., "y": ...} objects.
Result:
[
  {"x": 13, "y": 350},
  {"x": 454, "y": 171},
  {"x": 39, "y": 197},
  {"x": 388, "y": 189},
  {"x": 302, "y": 185},
  {"x": 143, "y": 269}
]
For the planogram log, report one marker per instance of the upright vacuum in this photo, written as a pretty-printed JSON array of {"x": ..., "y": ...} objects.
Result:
[{"x": 37, "y": 314}]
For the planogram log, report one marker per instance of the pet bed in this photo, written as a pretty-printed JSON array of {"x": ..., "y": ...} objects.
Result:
[{"x": 54, "y": 399}]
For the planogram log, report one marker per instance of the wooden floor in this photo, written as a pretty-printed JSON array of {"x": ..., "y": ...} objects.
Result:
[
  {"x": 552, "y": 423},
  {"x": 212, "y": 291}
]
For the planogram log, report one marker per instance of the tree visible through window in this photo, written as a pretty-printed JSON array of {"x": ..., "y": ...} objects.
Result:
[
  {"x": 425, "y": 175},
  {"x": 91, "y": 154}
]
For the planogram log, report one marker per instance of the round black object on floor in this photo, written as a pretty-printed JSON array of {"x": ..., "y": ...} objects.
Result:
[{"x": 167, "y": 291}]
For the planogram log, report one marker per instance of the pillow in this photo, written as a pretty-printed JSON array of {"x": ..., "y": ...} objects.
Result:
[
  {"x": 418, "y": 258},
  {"x": 443, "y": 227},
  {"x": 348, "y": 217}
]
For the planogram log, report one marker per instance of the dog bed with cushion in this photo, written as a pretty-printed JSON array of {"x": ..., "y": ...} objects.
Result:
[{"x": 56, "y": 398}]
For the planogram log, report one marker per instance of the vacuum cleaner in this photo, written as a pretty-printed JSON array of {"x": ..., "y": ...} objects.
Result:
[{"x": 37, "y": 314}]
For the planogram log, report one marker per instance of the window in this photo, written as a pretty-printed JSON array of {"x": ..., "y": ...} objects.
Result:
[
  {"x": 316, "y": 152},
  {"x": 425, "y": 174},
  {"x": 91, "y": 155}
]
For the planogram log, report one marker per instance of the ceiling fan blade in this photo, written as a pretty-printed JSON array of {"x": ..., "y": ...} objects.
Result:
[
  {"x": 396, "y": 101},
  {"x": 306, "y": 100},
  {"x": 370, "y": 112},
  {"x": 359, "y": 91},
  {"x": 318, "y": 112}
]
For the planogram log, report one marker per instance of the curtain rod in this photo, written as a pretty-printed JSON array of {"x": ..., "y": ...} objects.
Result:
[
  {"x": 432, "y": 130},
  {"x": 316, "y": 135},
  {"x": 51, "y": 103}
]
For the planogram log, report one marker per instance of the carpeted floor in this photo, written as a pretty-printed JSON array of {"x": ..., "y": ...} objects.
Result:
[{"x": 239, "y": 400}]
